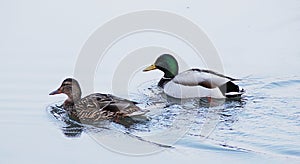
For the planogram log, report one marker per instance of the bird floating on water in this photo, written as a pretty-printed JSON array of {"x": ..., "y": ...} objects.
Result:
[
  {"x": 193, "y": 83},
  {"x": 94, "y": 107}
]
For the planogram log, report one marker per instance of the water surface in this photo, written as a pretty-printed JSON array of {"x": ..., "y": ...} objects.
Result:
[{"x": 259, "y": 43}]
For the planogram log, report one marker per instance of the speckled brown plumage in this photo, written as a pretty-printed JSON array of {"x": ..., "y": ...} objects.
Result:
[{"x": 94, "y": 107}]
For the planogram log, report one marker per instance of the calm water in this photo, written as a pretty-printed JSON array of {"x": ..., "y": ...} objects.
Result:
[{"x": 39, "y": 50}]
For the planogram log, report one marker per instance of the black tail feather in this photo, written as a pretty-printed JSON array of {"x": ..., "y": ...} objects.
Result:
[{"x": 229, "y": 87}]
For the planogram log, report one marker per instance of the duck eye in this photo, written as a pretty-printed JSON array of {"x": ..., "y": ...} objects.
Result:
[{"x": 66, "y": 83}]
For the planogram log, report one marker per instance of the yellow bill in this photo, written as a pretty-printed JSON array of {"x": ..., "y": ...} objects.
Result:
[{"x": 151, "y": 67}]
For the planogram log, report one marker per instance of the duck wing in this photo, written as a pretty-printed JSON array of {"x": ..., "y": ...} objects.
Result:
[
  {"x": 93, "y": 107},
  {"x": 124, "y": 106},
  {"x": 200, "y": 77},
  {"x": 108, "y": 103}
]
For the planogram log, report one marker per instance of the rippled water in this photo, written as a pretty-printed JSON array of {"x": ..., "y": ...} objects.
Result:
[
  {"x": 266, "y": 120},
  {"x": 257, "y": 41}
]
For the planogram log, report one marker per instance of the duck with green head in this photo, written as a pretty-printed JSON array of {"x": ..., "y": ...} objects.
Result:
[{"x": 193, "y": 83}]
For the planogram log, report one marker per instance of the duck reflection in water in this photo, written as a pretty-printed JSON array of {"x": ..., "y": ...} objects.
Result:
[{"x": 69, "y": 127}]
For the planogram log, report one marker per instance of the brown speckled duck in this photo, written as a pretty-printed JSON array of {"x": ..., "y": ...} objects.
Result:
[{"x": 94, "y": 107}]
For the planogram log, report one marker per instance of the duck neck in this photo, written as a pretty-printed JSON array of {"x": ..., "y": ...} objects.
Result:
[
  {"x": 68, "y": 104},
  {"x": 73, "y": 97},
  {"x": 164, "y": 80},
  {"x": 168, "y": 76}
]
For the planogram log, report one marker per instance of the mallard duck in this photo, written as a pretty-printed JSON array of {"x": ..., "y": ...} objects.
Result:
[
  {"x": 93, "y": 107},
  {"x": 193, "y": 83}
]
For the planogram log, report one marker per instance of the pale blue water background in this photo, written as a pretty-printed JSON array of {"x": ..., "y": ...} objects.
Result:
[{"x": 257, "y": 41}]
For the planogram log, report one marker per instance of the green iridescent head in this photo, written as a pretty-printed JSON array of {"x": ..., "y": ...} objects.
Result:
[{"x": 166, "y": 63}]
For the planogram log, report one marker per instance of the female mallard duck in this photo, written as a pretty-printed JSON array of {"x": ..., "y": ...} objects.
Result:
[
  {"x": 93, "y": 107},
  {"x": 193, "y": 82}
]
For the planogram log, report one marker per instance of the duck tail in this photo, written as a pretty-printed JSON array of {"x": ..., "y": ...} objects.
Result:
[{"x": 230, "y": 90}]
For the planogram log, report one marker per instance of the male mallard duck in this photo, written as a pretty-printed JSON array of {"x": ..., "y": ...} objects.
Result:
[
  {"x": 93, "y": 107},
  {"x": 193, "y": 82}
]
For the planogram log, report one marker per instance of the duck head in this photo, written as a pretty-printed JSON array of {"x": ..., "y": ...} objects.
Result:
[
  {"x": 71, "y": 88},
  {"x": 167, "y": 64}
]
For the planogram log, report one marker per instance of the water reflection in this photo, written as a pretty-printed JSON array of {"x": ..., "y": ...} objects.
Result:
[
  {"x": 198, "y": 118},
  {"x": 265, "y": 120},
  {"x": 210, "y": 114},
  {"x": 165, "y": 113},
  {"x": 74, "y": 128},
  {"x": 69, "y": 127}
]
